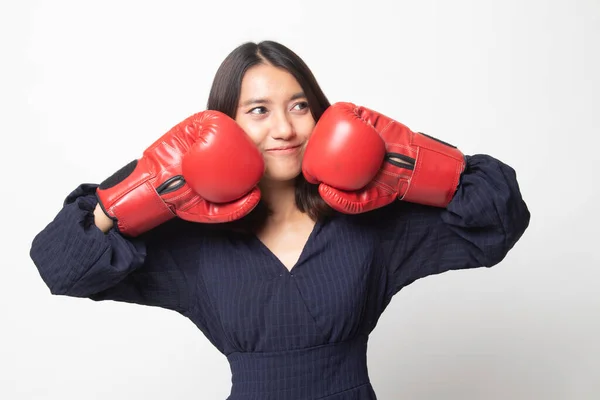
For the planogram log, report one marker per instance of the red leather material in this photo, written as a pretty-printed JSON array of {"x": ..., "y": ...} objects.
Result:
[
  {"x": 343, "y": 150},
  {"x": 134, "y": 203},
  {"x": 221, "y": 164},
  {"x": 436, "y": 174},
  {"x": 414, "y": 167}
]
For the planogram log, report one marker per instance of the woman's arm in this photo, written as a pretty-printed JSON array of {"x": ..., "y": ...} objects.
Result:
[
  {"x": 481, "y": 224},
  {"x": 78, "y": 254},
  {"x": 101, "y": 219},
  {"x": 440, "y": 210}
]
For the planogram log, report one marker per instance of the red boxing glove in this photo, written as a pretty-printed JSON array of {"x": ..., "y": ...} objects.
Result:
[
  {"x": 364, "y": 160},
  {"x": 205, "y": 169}
]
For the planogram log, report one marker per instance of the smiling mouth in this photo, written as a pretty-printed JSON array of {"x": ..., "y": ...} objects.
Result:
[{"x": 284, "y": 150}]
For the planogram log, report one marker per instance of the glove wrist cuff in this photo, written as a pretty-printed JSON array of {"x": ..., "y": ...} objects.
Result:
[
  {"x": 134, "y": 204},
  {"x": 436, "y": 174}
]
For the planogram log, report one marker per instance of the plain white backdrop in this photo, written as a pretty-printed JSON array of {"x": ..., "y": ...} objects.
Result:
[{"x": 86, "y": 86}]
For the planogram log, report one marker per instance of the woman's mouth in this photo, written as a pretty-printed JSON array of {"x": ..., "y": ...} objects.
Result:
[{"x": 284, "y": 150}]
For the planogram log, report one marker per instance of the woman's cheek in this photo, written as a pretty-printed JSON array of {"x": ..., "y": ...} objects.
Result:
[{"x": 255, "y": 134}]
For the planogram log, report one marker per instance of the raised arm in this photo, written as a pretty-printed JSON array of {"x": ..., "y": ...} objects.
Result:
[
  {"x": 98, "y": 244},
  {"x": 481, "y": 224},
  {"x": 438, "y": 209}
]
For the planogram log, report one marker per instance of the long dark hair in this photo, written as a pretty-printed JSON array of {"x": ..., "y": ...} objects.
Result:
[{"x": 225, "y": 94}]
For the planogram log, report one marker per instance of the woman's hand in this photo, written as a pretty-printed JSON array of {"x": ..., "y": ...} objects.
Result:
[{"x": 364, "y": 160}]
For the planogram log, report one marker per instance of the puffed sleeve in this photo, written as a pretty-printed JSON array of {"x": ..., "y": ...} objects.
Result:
[
  {"x": 484, "y": 220},
  {"x": 75, "y": 258}
]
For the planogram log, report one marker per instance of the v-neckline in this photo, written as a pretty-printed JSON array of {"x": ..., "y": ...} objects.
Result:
[{"x": 280, "y": 266}]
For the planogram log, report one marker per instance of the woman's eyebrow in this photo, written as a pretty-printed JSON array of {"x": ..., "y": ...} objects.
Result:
[
  {"x": 297, "y": 96},
  {"x": 255, "y": 101},
  {"x": 260, "y": 100}
]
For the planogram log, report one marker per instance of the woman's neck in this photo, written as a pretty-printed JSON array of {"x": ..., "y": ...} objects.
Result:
[{"x": 281, "y": 200}]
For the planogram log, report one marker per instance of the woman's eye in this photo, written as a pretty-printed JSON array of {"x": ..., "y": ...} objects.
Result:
[
  {"x": 258, "y": 110},
  {"x": 301, "y": 106}
]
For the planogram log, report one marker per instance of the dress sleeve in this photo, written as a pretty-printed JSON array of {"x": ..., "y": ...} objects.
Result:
[
  {"x": 484, "y": 220},
  {"x": 75, "y": 258}
]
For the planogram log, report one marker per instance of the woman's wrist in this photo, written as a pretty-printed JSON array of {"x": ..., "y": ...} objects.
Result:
[{"x": 102, "y": 221}]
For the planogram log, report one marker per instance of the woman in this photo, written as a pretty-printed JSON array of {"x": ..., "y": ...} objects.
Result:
[{"x": 292, "y": 235}]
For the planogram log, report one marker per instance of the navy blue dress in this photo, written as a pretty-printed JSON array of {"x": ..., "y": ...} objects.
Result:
[{"x": 299, "y": 334}]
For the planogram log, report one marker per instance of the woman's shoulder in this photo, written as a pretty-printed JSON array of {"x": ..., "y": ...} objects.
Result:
[
  {"x": 177, "y": 231},
  {"x": 392, "y": 214},
  {"x": 183, "y": 239}
]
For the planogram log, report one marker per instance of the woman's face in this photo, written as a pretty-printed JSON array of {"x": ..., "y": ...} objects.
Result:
[{"x": 274, "y": 112}]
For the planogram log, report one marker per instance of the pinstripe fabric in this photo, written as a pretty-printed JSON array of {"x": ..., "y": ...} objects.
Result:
[{"x": 299, "y": 334}]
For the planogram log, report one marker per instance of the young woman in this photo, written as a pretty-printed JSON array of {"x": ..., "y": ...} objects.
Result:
[{"x": 282, "y": 226}]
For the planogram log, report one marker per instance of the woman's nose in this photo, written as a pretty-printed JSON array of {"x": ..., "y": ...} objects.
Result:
[{"x": 283, "y": 128}]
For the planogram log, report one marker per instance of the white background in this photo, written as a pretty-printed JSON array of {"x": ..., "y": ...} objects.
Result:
[{"x": 86, "y": 86}]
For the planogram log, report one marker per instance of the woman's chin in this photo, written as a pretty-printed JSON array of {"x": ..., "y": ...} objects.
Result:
[{"x": 281, "y": 176}]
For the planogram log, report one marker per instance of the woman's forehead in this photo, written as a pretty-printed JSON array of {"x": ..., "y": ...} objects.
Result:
[{"x": 269, "y": 83}]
